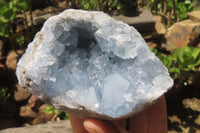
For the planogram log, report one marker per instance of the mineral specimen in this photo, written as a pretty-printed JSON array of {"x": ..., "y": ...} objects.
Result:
[{"x": 90, "y": 65}]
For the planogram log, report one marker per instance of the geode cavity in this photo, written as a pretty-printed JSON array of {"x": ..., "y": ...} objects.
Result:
[{"x": 90, "y": 65}]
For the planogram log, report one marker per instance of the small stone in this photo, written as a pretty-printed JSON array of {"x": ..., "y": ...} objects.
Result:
[
  {"x": 26, "y": 111},
  {"x": 192, "y": 103},
  {"x": 20, "y": 94},
  {"x": 184, "y": 33},
  {"x": 90, "y": 65},
  {"x": 195, "y": 16},
  {"x": 12, "y": 58},
  {"x": 197, "y": 120}
]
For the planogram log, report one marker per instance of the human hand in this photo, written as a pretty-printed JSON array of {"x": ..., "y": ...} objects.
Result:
[{"x": 152, "y": 120}]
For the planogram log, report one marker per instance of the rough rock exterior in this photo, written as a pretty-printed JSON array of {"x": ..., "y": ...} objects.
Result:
[{"x": 90, "y": 65}]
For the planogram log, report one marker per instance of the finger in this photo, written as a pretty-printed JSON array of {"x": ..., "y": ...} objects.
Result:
[
  {"x": 77, "y": 124},
  {"x": 157, "y": 117},
  {"x": 100, "y": 126},
  {"x": 138, "y": 123}
]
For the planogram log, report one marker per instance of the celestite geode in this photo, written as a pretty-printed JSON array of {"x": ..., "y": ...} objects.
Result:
[{"x": 90, "y": 65}]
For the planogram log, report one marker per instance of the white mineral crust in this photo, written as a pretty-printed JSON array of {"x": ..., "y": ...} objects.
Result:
[{"x": 90, "y": 65}]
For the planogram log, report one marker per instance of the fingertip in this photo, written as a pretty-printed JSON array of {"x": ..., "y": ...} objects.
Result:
[{"x": 99, "y": 126}]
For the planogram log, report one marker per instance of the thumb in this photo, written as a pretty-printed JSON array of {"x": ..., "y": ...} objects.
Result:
[{"x": 99, "y": 126}]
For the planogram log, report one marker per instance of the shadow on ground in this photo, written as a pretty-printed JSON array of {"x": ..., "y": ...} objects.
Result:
[{"x": 181, "y": 118}]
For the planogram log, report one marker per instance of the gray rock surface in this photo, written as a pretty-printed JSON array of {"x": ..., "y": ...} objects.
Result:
[
  {"x": 52, "y": 127},
  {"x": 144, "y": 22},
  {"x": 90, "y": 65}
]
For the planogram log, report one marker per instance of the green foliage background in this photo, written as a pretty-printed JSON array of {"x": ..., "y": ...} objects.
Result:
[
  {"x": 97, "y": 5},
  {"x": 171, "y": 10},
  {"x": 181, "y": 62}
]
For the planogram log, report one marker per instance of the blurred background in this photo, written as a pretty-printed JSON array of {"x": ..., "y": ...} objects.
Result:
[{"x": 171, "y": 28}]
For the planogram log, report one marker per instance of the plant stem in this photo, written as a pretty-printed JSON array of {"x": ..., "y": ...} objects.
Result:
[
  {"x": 26, "y": 26},
  {"x": 31, "y": 13},
  {"x": 174, "y": 9}
]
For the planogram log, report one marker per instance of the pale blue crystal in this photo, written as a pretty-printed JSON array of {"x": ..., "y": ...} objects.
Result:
[
  {"x": 91, "y": 65},
  {"x": 114, "y": 87}
]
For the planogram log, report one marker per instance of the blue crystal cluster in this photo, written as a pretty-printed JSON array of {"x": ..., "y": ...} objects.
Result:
[{"x": 89, "y": 62}]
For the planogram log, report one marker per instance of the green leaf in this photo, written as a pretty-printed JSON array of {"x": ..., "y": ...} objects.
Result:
[
  {"x": 159, "y": 6},
  {"x": 183, "y": 54},
  {"x": 175, "y": 70},
  {"x": 86, "y": 6},
  {"x": 50, "y": 110},
  {"x": 170, "y": 4},
  {"x": 175, "y": 53},
  {"x": 153, "y": 50},
  {"x": 190, "y": 8},
  {"x": 3, "y": 8},
  {"x": 22, "y": 5},
  {"x": 66, "y": 116},
  {"x": 167, "y": 61},
  {"x": 11, "y": 4},
  {"x": 187, "y": 57},
  {"x": 20, "y": 39},
  {"x": 4, "y": 30},
  {"x": 4, "y": 95},
  {"x": 9, "y": 15},
  {"x": 15, "y": 2},
  {"x": 114, "y": 3},
  {"x": 56, "y": 111},
  {"x": 195, "y": 52}
]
